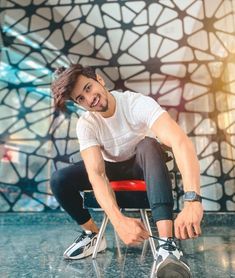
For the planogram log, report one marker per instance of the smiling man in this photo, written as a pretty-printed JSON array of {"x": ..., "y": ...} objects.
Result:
[{"x": 114, "y": 146}]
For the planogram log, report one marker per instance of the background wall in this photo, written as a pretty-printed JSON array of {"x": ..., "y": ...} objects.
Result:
[{"x": 179, "y": 52}]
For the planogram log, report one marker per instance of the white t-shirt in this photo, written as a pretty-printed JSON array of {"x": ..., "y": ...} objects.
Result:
[{"x": 118, "y": 135}]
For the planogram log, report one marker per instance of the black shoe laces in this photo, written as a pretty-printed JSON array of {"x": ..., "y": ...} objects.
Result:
[{"x": 167, "y": 245}]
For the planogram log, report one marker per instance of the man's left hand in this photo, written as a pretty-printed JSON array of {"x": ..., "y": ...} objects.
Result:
[{"x": 187, "y": 223}]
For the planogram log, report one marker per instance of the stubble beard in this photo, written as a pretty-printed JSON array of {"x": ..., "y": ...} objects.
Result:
[{"x": 105, "y": 107}]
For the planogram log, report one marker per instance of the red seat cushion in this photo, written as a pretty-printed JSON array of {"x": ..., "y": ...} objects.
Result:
[{"x": 128, "y": 185}]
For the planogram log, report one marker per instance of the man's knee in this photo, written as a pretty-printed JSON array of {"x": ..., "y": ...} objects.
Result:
[
  {"x": 148, "y": 146},
  {"x": 57, "y": 180}
]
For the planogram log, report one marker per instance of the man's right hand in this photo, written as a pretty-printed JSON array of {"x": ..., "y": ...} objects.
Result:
[{"x": 131, "y": 230}]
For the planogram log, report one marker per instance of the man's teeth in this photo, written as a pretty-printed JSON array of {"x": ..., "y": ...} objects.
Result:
[{"x": 96, "y": 102}]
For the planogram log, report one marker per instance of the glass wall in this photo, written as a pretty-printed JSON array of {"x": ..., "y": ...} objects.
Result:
[{"x": 179, "y": 52}]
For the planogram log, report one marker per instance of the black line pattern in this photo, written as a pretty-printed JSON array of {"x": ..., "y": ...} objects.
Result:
[{"x": 179, "y": 52}]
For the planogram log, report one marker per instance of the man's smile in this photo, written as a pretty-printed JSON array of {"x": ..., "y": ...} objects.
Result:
[{"x": 95, "y": 101}]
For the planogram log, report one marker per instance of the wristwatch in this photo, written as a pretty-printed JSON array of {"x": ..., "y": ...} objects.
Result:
[{"x": 192, "y": 196}]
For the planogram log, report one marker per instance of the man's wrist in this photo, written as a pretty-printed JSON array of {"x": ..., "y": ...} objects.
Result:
[
  {"x": 119, "y": 221},
  {"x": 116, "y": 216},
  {"x": 192, "y": 196}
]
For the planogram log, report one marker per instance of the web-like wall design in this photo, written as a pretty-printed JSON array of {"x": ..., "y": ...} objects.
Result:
[{"x": 180, "y": 52}]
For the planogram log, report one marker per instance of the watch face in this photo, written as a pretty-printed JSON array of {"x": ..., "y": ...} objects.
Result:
[{"x": 191, "y": 196}]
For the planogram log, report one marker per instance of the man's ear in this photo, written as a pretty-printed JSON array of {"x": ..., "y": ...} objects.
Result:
[{"x": 100, "y": 79}]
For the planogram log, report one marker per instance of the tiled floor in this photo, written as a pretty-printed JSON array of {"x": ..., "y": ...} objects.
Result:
[{"x": 34, "y": 250}]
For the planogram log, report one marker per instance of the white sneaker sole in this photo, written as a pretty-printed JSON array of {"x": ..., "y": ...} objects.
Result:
[{"x": 86, "y": 253}]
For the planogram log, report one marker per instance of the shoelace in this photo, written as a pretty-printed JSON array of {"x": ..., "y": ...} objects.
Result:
[{"x": 168, "y": 244}]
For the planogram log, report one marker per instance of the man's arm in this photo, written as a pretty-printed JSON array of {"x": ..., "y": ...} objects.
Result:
[
  {"x": 130, "y": 230},
  {"x": 187, "y": 224}
]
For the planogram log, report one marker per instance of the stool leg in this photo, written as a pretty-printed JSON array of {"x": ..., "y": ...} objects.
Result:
[
  {"x": 152, "y": 275},
  {"x": 144, "y": 249},
  {"x": 147, "y": 225},
  {"x": 118, "y": 244},
  {"x": 100, "y": 235}
]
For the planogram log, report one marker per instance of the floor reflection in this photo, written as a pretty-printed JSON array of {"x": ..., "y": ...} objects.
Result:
[
  {"x": 36, "y": 251},
  {"x": 97, "y": 269}
]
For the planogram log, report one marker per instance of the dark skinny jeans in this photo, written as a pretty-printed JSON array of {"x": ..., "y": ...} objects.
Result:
[{"x": 148, "y": 164}]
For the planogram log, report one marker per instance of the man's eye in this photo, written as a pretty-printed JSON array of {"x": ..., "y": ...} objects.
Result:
[
  {"x": 88, "y": 88},
  {"x": 80, "y": 99}
]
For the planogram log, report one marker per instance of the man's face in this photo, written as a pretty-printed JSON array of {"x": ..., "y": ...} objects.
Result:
[{"x": 90, "y": 94}]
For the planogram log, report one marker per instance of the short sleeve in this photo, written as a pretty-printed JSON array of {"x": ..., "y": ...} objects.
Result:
[
  {"x": 86, "y": 135},
  {"x": 145, "y": 110}
]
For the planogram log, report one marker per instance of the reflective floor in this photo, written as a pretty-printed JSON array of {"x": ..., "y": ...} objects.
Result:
[{"x": 35, "y": 250}]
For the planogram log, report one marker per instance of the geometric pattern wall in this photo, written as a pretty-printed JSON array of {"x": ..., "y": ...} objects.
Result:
[{"x": 180, "y": 52}]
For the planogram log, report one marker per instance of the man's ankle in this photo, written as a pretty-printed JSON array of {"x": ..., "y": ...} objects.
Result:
[{"x": 90, "y": 226}]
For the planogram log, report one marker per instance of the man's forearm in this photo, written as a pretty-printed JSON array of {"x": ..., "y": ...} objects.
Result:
[
  {"x": 106, "y": 197},
  {"x": 188, "y": 164}
]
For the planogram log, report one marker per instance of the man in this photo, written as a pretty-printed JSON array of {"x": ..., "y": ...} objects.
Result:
[{"x": 113, "y": 144}]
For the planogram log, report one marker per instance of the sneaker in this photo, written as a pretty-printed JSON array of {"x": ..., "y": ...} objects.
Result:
[
  {"x": 170, "y": 261},
  {"x": 83, "y": 246}
]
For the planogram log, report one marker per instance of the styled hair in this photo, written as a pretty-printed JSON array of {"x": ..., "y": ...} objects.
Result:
[{"x": 64, "y": 82}]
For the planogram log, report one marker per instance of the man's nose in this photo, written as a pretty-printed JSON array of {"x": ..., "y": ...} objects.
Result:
[{"x": 89, "y": 100}]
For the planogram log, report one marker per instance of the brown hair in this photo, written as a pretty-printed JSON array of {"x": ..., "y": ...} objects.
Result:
[{"x": 64, "y": 82}]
